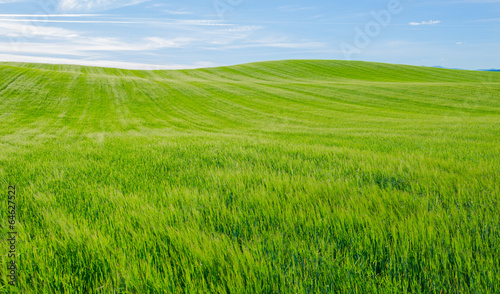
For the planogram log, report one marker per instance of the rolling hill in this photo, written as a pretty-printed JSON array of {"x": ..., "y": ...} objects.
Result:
[{"x": 290, "y": 176}]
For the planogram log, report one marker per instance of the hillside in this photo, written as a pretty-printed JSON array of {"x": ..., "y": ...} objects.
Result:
[
  {"x": 300, "y": 176},
  {"x": 298, "y": 93}
]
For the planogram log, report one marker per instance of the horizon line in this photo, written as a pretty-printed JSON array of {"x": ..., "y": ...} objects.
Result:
[{"x": 201, "y": 65}]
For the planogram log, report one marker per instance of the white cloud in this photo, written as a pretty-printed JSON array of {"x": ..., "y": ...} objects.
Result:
[
  {"x": 65, "y": 21},
  {"x": 14, "y": 30},
  {"x": 460, "y": 43},
  {"x": 202, "y": 22},
  {"x": 94, "y": 5},
  {"x": 177, "y": 12},
  {"x": 157, "y": 42},
  {"x": 244, "y": 29},
  {"x": 430, "y": 22},
  {"x": 295, "y": 8},
  {"x": 286, "y": 45},
  {"x": 49, "y": 15},
  {"x": 89, "y": 46},
  {"x": 102, "y": 63}
]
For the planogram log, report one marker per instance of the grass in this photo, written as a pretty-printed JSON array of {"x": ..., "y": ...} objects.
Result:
[{"x": 275, "y": 177}]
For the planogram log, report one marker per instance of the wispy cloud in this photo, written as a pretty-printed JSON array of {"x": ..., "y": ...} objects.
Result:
[
  {"x": 102, "y": 63},
  {"x": 94, "y": 5},
  {"x": 157, "y": 42},
  {"x": 14, "y": 30},
  {"x": 65, "y": 21},
  {"x": 49, "y": 15},
  {"x": 430, "y": 22},
  {"x": 295, "y": 8},
  {"x": 177, "y": 12},
  {"x": 244, "y": 29},
  {"x": 488, "y": 20},
  {"x": 100, "y": 19},
  {"x": 87, "y": 46},
  {"x": 283, "y": 45}
]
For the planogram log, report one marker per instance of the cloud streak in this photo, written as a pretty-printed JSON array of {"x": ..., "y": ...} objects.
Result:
[
  {"x": 65, "y": 21},
  {"x": 86, "y": 46},
  {"x": 94, "y": 5},
  {"x": 430, "y": 22},
  {"x": 14, "y": 30},
  {"x": 102, "y": 63}
]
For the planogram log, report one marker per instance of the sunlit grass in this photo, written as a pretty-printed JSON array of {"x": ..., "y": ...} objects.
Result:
[{"x": 279, "y": 177}]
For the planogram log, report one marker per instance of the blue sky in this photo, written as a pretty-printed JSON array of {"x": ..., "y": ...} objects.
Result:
[{"x": 199, "y": 33}]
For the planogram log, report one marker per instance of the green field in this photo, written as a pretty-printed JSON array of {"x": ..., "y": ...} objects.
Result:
[{"x": 274, "y": 177}]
